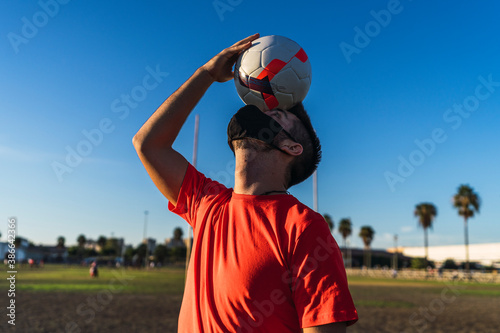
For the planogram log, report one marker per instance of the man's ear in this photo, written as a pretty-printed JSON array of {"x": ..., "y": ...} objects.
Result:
[{"x": 291, "y": 147}]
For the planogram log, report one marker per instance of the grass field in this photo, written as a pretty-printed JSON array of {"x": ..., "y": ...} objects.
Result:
[
  {"x": 76, "y": 279},
  {"x": 66, "y": 299}
]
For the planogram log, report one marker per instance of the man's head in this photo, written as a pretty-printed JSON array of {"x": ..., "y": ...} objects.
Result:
[{"x": 290, "y": 132}]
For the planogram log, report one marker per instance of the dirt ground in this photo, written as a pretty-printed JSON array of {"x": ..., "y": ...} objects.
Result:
[
  {"x": 381, "y": 309},
  {"x": 77, "y": 312},
  {"x": 444, "y": 309}
]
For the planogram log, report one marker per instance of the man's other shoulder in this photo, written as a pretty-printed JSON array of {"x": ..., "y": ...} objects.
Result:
[{"x": 299, "y": 213}]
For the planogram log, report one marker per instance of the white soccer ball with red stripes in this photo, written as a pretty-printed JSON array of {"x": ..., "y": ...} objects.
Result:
[{"x": 274, "y": 73}]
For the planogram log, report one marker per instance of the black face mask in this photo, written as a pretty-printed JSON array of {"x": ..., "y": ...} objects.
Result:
[{"x": 250, "y": 122}]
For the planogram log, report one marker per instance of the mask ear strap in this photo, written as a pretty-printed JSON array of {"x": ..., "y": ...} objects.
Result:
[
  {"x": 276, "y": 146},
  {"x": 281, "y": 150}
]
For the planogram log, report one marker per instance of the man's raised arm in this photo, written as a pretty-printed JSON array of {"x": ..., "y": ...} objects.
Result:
[{"x": 153, "y": 142}]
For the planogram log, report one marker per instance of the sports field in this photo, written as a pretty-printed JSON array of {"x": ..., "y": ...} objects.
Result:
[{"x": 66, "y": 299}]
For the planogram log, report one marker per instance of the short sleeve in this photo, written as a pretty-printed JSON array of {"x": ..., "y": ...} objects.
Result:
[
  {"x": 195, "y": 188},
  {"x": 319, "y": 284}
]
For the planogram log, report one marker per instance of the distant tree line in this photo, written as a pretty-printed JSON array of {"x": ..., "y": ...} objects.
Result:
[
  {"x": 467, "y": 203},
  {"x": 136, "y": 256}
]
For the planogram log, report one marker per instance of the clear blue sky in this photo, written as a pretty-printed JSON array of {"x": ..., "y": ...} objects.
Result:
[{"x": 68, "y": 69}]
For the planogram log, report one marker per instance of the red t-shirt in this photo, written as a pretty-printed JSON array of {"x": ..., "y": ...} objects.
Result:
[{"x": 259, "y": 263}]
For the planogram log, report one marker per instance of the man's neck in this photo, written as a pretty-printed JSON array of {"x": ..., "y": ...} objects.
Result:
[{"x": 259, "y": 173}]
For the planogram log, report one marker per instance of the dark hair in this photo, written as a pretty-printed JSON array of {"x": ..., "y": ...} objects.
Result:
[{"x": 306, "y": 163}]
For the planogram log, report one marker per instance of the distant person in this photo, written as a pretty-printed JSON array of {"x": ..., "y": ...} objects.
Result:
[
  {"x": 261, "y": 260},
  {"x": 94, "y": 270}
]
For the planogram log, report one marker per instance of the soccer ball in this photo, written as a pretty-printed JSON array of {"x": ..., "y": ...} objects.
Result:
[{"x": 274, "y": 73}]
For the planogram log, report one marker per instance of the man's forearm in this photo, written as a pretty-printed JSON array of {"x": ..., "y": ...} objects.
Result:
[{"x": 162, "y": 128}]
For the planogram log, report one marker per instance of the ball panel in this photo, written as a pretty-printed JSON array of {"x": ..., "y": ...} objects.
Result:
[
  {"x": 285, "y": 81},
  {"x": 256, "y": 72},
  {"x": 286, "y": 100},
  {"x": 253, "y": 98},
  {"x": 303, "y": 89},
  {"x": 288, "y": 44},
  {"x": 263, "y": 42},
  {"x": 273, "y": 54},
  {"x": 302, "y": 69},
  {"x": 242, "y": 91},
  {"x": 250, "y": 60}
]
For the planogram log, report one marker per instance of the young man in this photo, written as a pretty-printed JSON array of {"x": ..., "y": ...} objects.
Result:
[{"x": 261, "y": 260}]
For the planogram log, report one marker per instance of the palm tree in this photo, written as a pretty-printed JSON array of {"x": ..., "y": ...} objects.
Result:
[
  {"x": 467, "y": 202},
  {"x": 81, "y": 240},
  {"x": 425, "y": 212},
  {"x": 101, "y": 241},
  {"x": 142, "y": 252},
  {"x": 161, "y": 253},
  {"x": 178, "y": 233},
  {"x": 367, "y": 233},
  {"x": 329, "y": 221},
  {"x": 345, "y": 229},
  {"x": 60, "y": 242}
]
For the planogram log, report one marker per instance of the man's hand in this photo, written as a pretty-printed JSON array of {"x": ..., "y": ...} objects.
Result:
[{"x": 220, "y": 67}]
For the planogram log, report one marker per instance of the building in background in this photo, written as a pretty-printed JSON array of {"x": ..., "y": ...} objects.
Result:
[{"x": 487, "y": 254}]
